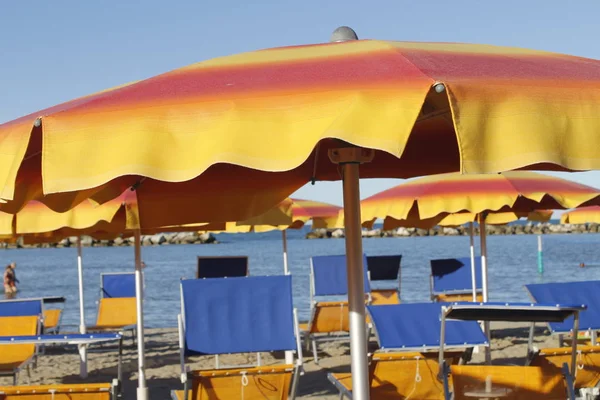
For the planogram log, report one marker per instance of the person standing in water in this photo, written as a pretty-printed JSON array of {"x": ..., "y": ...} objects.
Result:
[{"x": 10, "y": 279}]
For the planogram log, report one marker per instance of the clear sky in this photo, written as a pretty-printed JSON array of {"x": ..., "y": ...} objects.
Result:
[{"x": 53, "y": 51}]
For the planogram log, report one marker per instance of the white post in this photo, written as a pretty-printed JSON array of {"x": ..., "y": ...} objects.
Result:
[
  {"x": 484, "y": 282},
  {"x": 289, "y": 355},
  {"x": 82, "y": 348},
  {"x": 286, "y": 269},
  {"x": 473, "y": 269},
  {"x": 356, "y": 285},
  {"x": 142, "y": 390}
]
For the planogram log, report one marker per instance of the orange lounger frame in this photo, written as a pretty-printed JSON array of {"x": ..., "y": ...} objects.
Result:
[
  {"x": 15, "y": 357},
  {"x": 267, "y": 382},
  {"x": 508, "y": 382},
  {"x": 587, "y": 374},
  {"x": 94, "y": 391},
  {"x": 400, "y": 375}
]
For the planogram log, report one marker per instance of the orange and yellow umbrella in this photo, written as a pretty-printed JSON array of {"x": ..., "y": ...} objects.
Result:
[
  {"x": 583, "y": 215},
  {"x": 438, "y": 196},
  {"x": 282, "y": 109}
]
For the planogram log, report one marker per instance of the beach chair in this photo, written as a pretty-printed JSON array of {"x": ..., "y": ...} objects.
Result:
[
  {"x": 514, "y": 382},
  {"x": 384, "y": 269},
  {"x": 116, "y": 307},
  {"x": 451, "y": 279},
  {"x": 238, "y": 315},
  {"x": 222, "y": 267},
  {"x": 587, "y": 377},
  {"x": 329, "y": 318},
  {"x": 19, "y": 317},
  {"x": 406, "y": 365},
  {"x": 52, "y": 314}
]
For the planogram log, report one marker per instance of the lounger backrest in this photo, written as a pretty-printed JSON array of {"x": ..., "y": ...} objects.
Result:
[
  {"x": 52, "y": 318},
  {"x": 453, "y": 275},
  {"x": 384, "y": 268},
  {"x": 222, "y": 267},
  {"x": 417, "y": 326},
  {"x": 329, "y": 275},
  {"x": 238, "y": 315},
  {"x": 522, "y": 382},
  {"x": 116, "y": 312},
  {"x": 587, "y": 293},
  {"x": 115, "y": 285}
]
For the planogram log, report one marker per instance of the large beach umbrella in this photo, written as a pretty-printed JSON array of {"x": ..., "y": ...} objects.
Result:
[
  {"x": 266, "y": 122},
  {"x": 583, "y": 215}
]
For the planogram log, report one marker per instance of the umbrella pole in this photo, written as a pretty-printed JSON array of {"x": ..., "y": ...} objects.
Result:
[
  {"x": 142, "y": 390},
  {"x": 289, "y": 355},
  {"x": 473, "y": 271},
  {"x": 484, "y": 281},
  {"x": 82, "y": 348},
  {"x": 356, "y": 288},
  {"x": 286, "y": 269}
]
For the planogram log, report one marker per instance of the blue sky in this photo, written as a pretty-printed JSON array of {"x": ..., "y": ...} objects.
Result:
[{"x": 53, "y": 51}]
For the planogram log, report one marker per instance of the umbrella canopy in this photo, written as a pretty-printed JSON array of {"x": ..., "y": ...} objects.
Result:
[
  {"x": 437, "y": 196},
  {"x": 281, "y": 109},
  {"x": 266, "y": 122},
  {"x": 582, "y": 215}
]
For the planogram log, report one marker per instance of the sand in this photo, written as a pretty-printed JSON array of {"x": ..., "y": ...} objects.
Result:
[{"x": 61, "y": 365}]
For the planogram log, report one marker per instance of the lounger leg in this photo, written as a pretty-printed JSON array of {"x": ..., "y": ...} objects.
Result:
[
  {"x": 120, "y": 365},
  {"x": 28, "y": 375},
  {"x": 315, "y": 356},
  {"x": 15, "y": 378},
  {"x": 186, "y": 389}
]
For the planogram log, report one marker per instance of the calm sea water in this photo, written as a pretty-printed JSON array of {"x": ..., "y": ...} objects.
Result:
[{"x": 512, "y": 264}]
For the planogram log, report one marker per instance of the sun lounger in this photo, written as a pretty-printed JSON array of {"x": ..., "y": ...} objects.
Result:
[
  {"x": 587, "y": 377},
  {"x": 507, "y": 381},
  {"x": 52, "y": 315},
  {"x": 385, "y": 269},
  {"x": 238, "y": 315},
  {"x": 407, "y": 362},
  {"x": 222, "y": 267},
  {"x": 116, "y": 307},
  {"x": 329, "y": 315},
  {"x": 19, "y": 317},
  {"x": 451, "y": 279},
  {"x": 91, "y": 391}
]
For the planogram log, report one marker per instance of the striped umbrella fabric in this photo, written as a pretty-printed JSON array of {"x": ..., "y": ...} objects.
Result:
[{"x": 583, "y": 215}]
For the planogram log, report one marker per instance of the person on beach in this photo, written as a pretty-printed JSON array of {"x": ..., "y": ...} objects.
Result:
[{"x": 10, "y": 279}]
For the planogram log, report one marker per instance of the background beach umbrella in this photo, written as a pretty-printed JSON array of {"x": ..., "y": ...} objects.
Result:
[
  {"x": 267, "y": 122},
  {"x": 583, "y": 215}
]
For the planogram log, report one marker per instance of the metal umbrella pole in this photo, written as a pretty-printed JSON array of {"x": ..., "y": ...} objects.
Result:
[
  {"x": 142, "y": 390},
  {"x": 349, "y": 159},
  {"x": 484, "y": 280},
  {"x": 473, "y": 269},
  {"x": 82, "y": 329},
  {"x": 286, "y": 268}
]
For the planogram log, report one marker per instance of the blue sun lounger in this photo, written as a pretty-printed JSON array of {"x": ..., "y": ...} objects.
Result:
[
  {"x": 409, "y": 340},
  {"x": 587, "y": 379},
  {"x": 238, "y": 315},
  {"x": 385, "y": 269},
  {"x": 329, "y": 314},
  {"x": 497, "y": 381},
  {"x": 451, "y": 279}
]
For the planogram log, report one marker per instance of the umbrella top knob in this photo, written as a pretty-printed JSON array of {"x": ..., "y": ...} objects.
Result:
[{"x": 343, "y": 34}]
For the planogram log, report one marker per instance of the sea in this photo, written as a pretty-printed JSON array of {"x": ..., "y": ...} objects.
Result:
[{"x": 512, "y": 263}]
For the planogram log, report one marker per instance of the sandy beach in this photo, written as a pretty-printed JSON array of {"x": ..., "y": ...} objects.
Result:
[{"x": 61, "y": 365}]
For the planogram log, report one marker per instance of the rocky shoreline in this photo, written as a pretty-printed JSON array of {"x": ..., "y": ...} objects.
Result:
[
  {"x": 528, "y": 229},
  {"x": 160, "y": 239}
]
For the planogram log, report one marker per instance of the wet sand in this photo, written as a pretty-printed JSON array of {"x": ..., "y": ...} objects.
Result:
[{"x": 61, "y": 365}]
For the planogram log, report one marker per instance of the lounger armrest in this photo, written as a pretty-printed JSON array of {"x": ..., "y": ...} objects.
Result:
[{"x": 341, "y": 388}]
